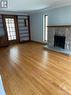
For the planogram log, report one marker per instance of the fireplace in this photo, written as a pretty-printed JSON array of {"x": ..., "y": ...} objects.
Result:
[{"x": 59, "y": 41}]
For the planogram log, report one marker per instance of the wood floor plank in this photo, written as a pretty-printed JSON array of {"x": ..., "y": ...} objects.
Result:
[{"x": 28, "y": 69}]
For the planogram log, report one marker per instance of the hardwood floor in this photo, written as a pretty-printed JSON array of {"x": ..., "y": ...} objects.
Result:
[{"x": 28, "y": 69}]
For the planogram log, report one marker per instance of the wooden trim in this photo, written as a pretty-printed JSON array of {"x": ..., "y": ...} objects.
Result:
[
  {"x": 59, "y": 26},
  {"x": 17, "y": 29},
  {"x": 29, "y": 28},
  {"x": 4, "y": 26},
  {"x": 5, "y": 30},
  {"x": 8, "y": 16}
]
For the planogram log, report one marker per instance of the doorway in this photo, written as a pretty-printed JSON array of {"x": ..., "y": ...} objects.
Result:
[{"x": 11, "y": 29}]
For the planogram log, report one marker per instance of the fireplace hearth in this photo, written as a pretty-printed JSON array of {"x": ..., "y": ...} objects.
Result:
[{"x": 59, "y": 39}]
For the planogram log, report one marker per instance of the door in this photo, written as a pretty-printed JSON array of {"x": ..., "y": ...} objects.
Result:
[
  {"x": 3, "y": 34},
  {"x": 12, "y": 33}
]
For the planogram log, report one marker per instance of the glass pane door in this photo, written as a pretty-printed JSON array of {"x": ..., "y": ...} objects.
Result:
[{"x": 10, "y": 24}]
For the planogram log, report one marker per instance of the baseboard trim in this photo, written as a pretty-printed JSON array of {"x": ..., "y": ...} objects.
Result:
[{"x": 37, "y": 42}]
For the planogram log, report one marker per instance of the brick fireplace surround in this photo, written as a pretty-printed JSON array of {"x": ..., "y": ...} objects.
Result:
[{"x": 63, "y": 30}]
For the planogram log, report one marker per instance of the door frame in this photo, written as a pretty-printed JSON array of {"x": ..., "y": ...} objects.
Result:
[
  {"x": 16, "y": 28},
  {"x": 29, "y": 28}
]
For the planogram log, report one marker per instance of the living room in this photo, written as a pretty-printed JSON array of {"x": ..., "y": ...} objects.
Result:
[{"x": 35, "y": 47}]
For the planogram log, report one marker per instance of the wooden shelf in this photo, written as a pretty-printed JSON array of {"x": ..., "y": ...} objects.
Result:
[{"x": 59, "y": 26}]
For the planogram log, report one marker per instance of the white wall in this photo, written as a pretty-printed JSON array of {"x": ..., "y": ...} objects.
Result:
[
  {"x": 60, "y": 16},
  {"x": 56, "y": 16},
  {"x": 36, "y": 27}
]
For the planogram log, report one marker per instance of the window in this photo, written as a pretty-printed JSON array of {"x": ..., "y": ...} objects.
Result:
[
  {"x": 10, "y": 28},
  {"x": 45, "y": 28}
]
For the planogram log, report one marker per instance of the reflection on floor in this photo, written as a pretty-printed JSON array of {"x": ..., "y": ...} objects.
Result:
[{"x": 57, "y": 49}]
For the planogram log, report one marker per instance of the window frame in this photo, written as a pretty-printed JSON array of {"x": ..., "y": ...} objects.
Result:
[
  {"x": 10, "y": 29},
  {"x": 16, "y": 27}
]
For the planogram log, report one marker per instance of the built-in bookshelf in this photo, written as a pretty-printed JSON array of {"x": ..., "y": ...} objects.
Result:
[{"x": 23, "y": 28}]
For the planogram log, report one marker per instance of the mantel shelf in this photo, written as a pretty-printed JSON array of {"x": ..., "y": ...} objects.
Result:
[{"x": 59, "y": 26}]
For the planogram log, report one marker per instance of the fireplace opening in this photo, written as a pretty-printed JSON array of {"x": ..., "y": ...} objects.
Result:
[{"x": 59, "y": 41}]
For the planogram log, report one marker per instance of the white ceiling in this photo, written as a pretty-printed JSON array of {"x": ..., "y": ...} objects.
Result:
[{"x": 32, "y": 5}]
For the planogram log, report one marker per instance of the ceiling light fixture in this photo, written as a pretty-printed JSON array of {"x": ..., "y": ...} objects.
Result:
[{"x": 4, "y": 4}]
